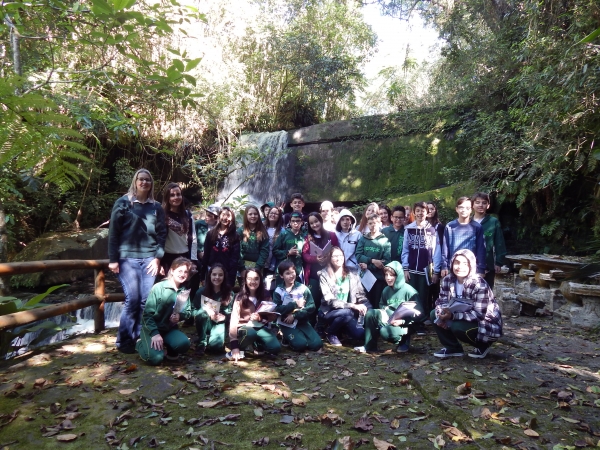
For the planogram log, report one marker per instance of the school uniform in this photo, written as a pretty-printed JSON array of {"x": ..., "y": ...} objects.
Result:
[{"x": 211, "y": 335}]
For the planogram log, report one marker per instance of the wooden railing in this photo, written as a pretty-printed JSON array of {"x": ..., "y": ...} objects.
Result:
[{"x": 97, "y": 299}]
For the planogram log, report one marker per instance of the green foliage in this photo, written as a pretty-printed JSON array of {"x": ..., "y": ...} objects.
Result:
[
  {"x": 528, "y": 75},
  {"x": 302, "y": 66},
  {"x": 11, "y": 305}
]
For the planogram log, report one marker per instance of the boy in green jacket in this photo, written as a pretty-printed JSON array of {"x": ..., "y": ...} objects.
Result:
[
  {"x": 161, "y": 315},
  {"x": 495, "y": 248},
  {"x": 376, "y": 320},
  {"x": 373, "y": 252},
  {"x": 289, "y": 245},
  {"x": 295, "y": 304}
]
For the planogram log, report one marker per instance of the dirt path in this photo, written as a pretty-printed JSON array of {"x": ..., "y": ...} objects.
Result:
[{"x": 538, "y": 389}]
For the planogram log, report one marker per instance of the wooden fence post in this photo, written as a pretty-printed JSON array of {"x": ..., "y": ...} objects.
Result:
[{"x": 99, "y": 291}]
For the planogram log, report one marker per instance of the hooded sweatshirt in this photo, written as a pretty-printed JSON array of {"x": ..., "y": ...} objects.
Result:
[
  {"x": 348, "y": 241},
  {"x": 495, "y": 248},
  {"x": 421, "y": 247},
  {"x": 401, "y": 292},
  {"x": 485, "y": 312},
  {"x": 285, "y": 241},
  {"x": 369, "y": 248},
  {"x": 396, "y": 238},
  {"x": 253, "y": 249}
]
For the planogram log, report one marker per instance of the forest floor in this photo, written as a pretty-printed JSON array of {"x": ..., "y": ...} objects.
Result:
[{"x": 538, "y": 389}]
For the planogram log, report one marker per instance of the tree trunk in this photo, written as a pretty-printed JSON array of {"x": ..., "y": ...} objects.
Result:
[{"x": 4, "y": 285}]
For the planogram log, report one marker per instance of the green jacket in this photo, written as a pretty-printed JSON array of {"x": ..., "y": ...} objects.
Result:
[
  {"x": 159, "y": 307},
  {"x": 396, "y": 239},
  {"x": 253, "y": 249},
  {"x": 401, "y": 292},
  {"x": 201, "y": 232},
  {"x": 196, "y": 305},
  {"x": 495, "y": 248},
  {"x": 285, "y": 241},
  {"x": 369, "y": 248},
  {"x": 299, "y": 294}
]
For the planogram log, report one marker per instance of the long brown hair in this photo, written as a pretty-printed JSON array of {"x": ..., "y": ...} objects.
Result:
[
  {"x": 183, "y": 217},
  {"x": 260, "y": 230},
  {"x": 279, "y": 225},
  {"x": 209, "y": 290},
  {"x": 230, "y": 233},
  {"x": 244, "y": 295},
  {"x": 345, "y": 270}
]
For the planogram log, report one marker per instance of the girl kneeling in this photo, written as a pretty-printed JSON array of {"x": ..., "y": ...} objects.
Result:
[
  {"x": 160, "y": 318},
  {"x": 376, "y": 320},
  {"x": 211, "y": 325},
  {"x": 344, "y": 300},
  {"x": 295, "y": 304},
  {"x": 247, "y": 329},
  {"x": 466, "y": 310}
]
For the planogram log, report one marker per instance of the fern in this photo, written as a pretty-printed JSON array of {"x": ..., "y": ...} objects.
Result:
[{"x": 35, "y": 136}]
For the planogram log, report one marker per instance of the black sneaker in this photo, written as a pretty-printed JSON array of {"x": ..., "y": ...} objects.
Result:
[
  {"x": 333, "y": 340},
  {"x": 128, "y": 349},
  {"x": 200, "y": 350},
  {"x": 479, "y": 353},
  {"x": 445, "y": 353}
]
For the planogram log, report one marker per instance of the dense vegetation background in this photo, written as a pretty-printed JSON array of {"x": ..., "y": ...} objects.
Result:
[{"x": 91, "y": 90}]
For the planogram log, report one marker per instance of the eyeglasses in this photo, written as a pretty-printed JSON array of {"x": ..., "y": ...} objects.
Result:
[
  {"x": 397, "y": 218},
  {"x": 144, "y": 180}
]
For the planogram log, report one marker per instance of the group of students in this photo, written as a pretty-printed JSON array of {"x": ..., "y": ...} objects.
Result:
[{"x": 301, "y": 276}]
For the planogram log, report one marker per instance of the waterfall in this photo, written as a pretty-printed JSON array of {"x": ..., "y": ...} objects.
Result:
[
  {"x": 265, "y": 180},
  {"x": 84, "y": 323}
]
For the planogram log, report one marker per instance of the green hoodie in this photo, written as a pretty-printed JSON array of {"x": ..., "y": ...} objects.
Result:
[
  {"x": 285, "y": 241},
  {"x": 253, "y": 249},
  {"x": 401, "y": 292},
  {"x": 396, "y": 238},
  {"x": 369, "y": 248},
  {"x": 495, "y": 248},
  {"x": 159, "y": 307}
]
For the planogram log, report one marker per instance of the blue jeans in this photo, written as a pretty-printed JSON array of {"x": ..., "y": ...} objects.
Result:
[
  {"x": 136, "y": 286},
  {"x": 342, "y": 320}
]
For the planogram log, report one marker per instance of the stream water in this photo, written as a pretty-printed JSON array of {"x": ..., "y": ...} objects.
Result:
[{"x": 267, "y": 179}]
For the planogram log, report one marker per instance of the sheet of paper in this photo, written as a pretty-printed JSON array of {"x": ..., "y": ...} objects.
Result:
[
  {"x": 289, "y": 325},
  {"x": 368, "y": 279}
]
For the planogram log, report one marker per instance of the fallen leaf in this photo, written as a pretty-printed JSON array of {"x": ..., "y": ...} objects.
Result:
[
  {"x": 286, "y": 419},
  {"x": 290, "y": 362},
  {"x": 464, "y": 389},
  {"x": 262, "y": 442},
  {"x": 294, "y": 437},
  {"x": 209, "y": 404},
  {"x": 127, "y": 391},
  {"x": 363, "y": 424},
  {"x": 131, "y": 368},
  {"x": 568, "y": 419},
  {"x": 531, "y": 433},
  {"x": 383, "y": 445},
  {"x": 477, "y": 372},
  {"x": 153, "y": 443},
  {"x": 66, "y": 437},
  {"x": 298, "y": 402},
  {"x": 395, "y": 423}
]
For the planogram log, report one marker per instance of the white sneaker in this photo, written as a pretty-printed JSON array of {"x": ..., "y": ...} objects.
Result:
[
  {"x": 229, "y": 356},
  {"x": 443, "y": 353},
  {"x": 360, "y": 349}
]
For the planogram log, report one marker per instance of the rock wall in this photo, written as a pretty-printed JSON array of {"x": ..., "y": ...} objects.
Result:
[
  {"x": 375, "y": 157},
  {"x": 87, "y": 244}
]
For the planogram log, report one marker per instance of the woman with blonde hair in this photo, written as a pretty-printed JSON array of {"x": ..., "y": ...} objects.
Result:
[
  {"x": 136, "y": 244},
  {"x": 371, "y": 209}
]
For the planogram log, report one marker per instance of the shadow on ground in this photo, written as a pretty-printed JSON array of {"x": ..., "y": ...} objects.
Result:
[{"x": 538, "y": 389}]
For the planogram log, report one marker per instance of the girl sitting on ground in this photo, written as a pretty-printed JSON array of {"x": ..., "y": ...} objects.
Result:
[
  {"x": 376, "y": 322},
  {"x": 344, "y": 300},
  {"x": 479, "y": 323},
  {"x": 210, "y": 325},
  {"x": 161, "y": 315},
  {"x": 295, "y": 304},
  {"x": 247, "y": 329}
]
